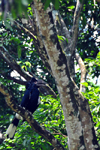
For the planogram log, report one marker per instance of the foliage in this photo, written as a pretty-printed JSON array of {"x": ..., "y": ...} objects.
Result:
[
  {"x": 20, "y": 45},
  {"x": 93, "y": 96},
  {"x": 17, "y": 8},
  {"x": 49, "y": 115},
  {"x": 93, "y": 65}
]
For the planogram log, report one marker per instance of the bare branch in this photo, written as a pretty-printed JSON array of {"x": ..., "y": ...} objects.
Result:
[
  {"x": 12, "y": 63},
  {"x": 59, "y": 133},
  {"x": 75, "y": 27},
  {"x": 62, "y": 31},
  {"x": 66, "y": 45},
  {"x": 58, "y": 62},
  {"x": 16, "y": 80},
  {"x": 25, "y": 30},
  {"x": 29, "y": 118},
  {"x": 38, "y": 45},
  {"x": 83, "y": 72},
  {"x": 6, "y": 74},
  {"x": 46, "y": 90}
]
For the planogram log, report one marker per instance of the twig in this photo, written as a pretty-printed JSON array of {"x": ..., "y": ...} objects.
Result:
[
  {"x": 83, "y": 72},
  {"x": 75, "y": 27},
  {"x": 58, "y": 132}
]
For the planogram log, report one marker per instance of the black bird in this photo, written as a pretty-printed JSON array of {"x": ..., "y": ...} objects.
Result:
[{"x": 30, "y": 101}]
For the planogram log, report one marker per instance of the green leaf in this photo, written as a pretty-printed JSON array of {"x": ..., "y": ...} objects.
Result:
[
  {"x": 85, "y": 84},
  {"x": 28, "y": 63},
  {"x": 71, "y": 7},
  {"x": 46, "y": 4},
  {"x": 7, "y": 24},
  {"x": 84, "y": 20},
  {"x": 60, "y": 37},
  {"x": 56, "y": 4},
  {"x": 9, "y": 147},
  {"x": 67, "y": 40},
  {"x": 98, "y": 55}
]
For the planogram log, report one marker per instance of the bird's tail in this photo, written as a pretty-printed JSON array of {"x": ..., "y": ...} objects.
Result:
[{"x": 12, "y": 127}]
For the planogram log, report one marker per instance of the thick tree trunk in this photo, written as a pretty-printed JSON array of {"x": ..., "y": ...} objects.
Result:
[{"x": 81, "y": 134}]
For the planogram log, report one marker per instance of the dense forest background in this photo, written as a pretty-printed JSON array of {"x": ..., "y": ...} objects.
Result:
[{"x": 20, "y": 60}]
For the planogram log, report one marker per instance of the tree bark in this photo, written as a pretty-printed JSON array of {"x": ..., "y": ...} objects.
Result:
[
  {"x": 83, "y": 72},
  {"x": 78, "y": 125}
]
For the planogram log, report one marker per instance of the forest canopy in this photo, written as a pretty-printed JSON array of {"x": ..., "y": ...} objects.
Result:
[{"x": 57, "y": 41}]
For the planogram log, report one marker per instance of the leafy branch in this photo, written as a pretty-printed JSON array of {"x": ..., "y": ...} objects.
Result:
[{"x": 29, "y": 118}]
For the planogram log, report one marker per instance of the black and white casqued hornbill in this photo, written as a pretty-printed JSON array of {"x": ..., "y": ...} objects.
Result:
[{"x": 30, "y": 101}]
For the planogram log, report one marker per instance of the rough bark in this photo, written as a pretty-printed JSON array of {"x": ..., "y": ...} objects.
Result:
[
  {"x": 61, "y": 30},
  {"x": 58, "y": 62},
  {"x": 75, "y": 108},
  {"x": 90, "y": 139}
]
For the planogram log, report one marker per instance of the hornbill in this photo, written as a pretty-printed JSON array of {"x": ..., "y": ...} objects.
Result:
[{"x": 30, "y": 101}]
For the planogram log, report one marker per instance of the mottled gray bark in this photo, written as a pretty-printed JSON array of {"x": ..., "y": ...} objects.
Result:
[
  {"x": 81, "y": 134},
  {"x": 66, "y": 43}
]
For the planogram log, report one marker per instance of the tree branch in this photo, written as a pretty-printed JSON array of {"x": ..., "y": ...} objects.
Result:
[
  {"x": 59, "y": 133},
  {"x": 25, "y": 30},
  {"x": 12, "y": 63},
  {"x": 16, "y": 80},
  {"x": 58, "y": 63},
  {"x": 29, "y": 118},
  {"x": 83, "y": 72},
  {"x": 66, "y": 45},
  {"x": 75, "y": 28},
  {"x": 38, "y": 45},
  {"x": 86, "y": 118},
  {"x": 46, "y": 90},
  {"x": 62, "y": 31}
]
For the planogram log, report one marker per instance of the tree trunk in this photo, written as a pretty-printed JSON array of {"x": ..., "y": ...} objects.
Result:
[{"x": 79, "y": 124}]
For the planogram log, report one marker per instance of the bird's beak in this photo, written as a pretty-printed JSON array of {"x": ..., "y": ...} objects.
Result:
[{"x": 41, "y": 83}]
